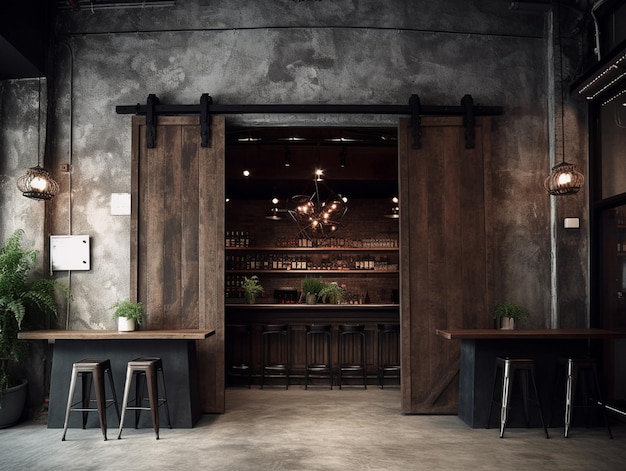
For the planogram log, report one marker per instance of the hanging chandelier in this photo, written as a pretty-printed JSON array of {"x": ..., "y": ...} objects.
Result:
[
  {"x": 319, "y": 215},
  {"x": 564, "y": 179},
  {"x": 37, "y": 183}
]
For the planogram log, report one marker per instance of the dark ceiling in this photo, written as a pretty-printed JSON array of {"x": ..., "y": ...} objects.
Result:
[
  {"x": 357, "y": 162},
  {"x": 24, "y": 33}
]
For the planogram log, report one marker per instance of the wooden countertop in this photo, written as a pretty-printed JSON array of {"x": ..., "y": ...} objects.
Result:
[
  {"x": 318, "y": 306},
  {"x": 497, "y": 334},
  {"x": 183, "y": 334}
]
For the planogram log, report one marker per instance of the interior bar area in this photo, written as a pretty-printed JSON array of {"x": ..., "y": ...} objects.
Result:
[{"x": 271, "y": 175}]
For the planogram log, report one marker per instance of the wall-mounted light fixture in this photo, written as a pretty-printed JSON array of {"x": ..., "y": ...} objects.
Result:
[
  {"x": 276, "y": 213},
  {"x": 287, "y": 157},
  {"x": 342, "y": 158},
  {"x": 394, "y": 212},
  {"x": 37, "y": 183}
]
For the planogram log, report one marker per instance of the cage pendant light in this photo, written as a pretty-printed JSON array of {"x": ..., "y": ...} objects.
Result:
[
  {"x": 564, "y": 179},
  {"x": 37, "y": 183}
]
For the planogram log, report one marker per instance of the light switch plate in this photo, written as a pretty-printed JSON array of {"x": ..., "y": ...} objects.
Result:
[{"x": 120, "y": 204}]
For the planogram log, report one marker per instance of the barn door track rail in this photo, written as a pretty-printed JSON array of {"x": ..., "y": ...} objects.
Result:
[{"x": 206, "y": 108}]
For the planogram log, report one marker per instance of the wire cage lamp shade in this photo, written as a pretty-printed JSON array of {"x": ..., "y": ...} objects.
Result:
[
  {"x": 564, "y": 179},
  {"x": 37, "y": 184}
]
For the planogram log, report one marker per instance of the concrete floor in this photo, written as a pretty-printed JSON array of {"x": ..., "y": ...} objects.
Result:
[{"x": 316, "y": 429}]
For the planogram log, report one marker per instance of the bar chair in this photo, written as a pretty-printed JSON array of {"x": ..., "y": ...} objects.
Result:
[
  {"x": 145, "y": 372},
  {"x": 91, "y": 371},
  {"x": 581, "y": 376},
  {"x": 239, "y": 352},
  {"x": 348, "y": 366},
  {"x": 315, "y": 351},
  {"x": 509, "y": 369},
  {"x": 275, "y": 353},
  {"x": 388, "y": 352}
]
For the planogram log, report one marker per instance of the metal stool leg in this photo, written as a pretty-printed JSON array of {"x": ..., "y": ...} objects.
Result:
[
  {"x": 129, "y": 377},
  {"x": 69, "y": 402},
  {"x": 164, "y": 401},
  {"x": 507, "y": 384},
  {"x": 98, "y": 378}
]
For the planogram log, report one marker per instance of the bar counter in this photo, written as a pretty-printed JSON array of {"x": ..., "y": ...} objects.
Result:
[
  {"x": 298, "y": 316},
  {"x": 480, "y": 347},
  {"x": 177, "y": 349}
]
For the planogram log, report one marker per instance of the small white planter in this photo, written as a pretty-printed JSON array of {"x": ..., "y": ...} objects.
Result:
[
  {"x": 507, "y": 323},
  {"x": 125, "y": 325}
]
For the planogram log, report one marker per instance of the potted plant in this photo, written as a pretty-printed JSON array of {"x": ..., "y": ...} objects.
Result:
[
  {"x": 311, "y": 288},
  {"x": 24, "y": 299},
  {"x": 332, "y": 293},
  {"x": 507, "y": 313},
  {"x": 251, "y": 288},
  {"x": 129, "y": 315}
]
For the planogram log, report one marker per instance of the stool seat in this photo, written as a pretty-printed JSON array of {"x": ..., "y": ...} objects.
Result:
[
  {"x": 148, "y": 371},
  {"x": 91, "y": 370},
  {"x": 509, "y": 369},
  {"x": 318, "y": 358}
]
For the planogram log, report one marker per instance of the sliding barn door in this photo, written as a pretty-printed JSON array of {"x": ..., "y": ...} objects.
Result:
[
  {"x": 446, "y": 269},
  {"x": 177, "y": 230}
]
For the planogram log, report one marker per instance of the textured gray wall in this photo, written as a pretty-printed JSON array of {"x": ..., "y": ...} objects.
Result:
[{"x": 285, "y": 51}]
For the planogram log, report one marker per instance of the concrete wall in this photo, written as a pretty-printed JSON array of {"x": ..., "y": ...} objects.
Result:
[{"x": 287, "y": 51}]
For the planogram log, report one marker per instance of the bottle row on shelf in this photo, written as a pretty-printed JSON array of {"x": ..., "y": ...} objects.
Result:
[
  {"x": 337, "y": 242},
  {"x": 242, "y": 239},
  {"x": 302, "y": 262},
  {"x": 237, "y": 239}
]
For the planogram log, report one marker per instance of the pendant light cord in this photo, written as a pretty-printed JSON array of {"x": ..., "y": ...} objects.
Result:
[{"x": 39, "y": 124}]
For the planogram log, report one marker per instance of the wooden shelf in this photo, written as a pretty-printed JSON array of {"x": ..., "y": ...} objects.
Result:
[
  {"x": 321, "y": 272},
  {"x": 312, "y": 249},
  {"x": 95, "y": 334}
]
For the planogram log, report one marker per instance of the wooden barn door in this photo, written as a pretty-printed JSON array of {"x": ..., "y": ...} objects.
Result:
[
  {"x": 177, "y": 230},
  {"x": 446, "y": 268}
]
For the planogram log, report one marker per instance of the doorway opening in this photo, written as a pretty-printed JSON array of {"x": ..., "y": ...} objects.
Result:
[{"x": 265, "y": 169}]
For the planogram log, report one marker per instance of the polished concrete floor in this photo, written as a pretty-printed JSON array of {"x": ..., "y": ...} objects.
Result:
[{"x": 315, "y": 429}]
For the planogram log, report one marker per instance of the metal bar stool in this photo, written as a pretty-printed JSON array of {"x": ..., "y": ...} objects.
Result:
[
  {"x": 146, "y": 371},
  {"x": 508, "y": 368},
  {"x": 239, "y": 352},
  {"x": 275, "y": 353},
  {"x": 352, "y": 369},
  {"x": 388, "y": 352},
  {"x": 91, "y": 371},
  {"x": 583, "y": 369},
  {"x": 318, "y": 350}
]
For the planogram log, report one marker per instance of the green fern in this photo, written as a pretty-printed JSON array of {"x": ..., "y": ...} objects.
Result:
[{"x": 21, "y": 295}]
